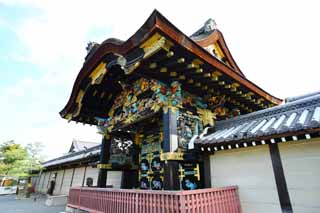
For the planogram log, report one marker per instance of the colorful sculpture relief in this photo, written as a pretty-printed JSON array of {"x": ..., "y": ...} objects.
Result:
[
  {"x": 123, "y": 144},
  {"x": 151, "y": 167},
  {"x": 156, "y": 183},
  {"x": 190, "y": 185},
  {"x": 189, "y": 176},
  {"x": 188, "y": 125},
  {"x": 121, "y": 151},
  {"x": 144, "y": 183},
  {"x": 234, "y": 113},
  {"x": 144, "y": 165},
  {"x": 156, "y": 164},
  {"x": 146, "y": 97}
]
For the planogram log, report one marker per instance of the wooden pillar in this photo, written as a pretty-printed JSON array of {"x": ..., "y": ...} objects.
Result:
[
  {"x": 74, "y": 169},
  {"x": 170, "y": 144},
  {"x": 104, "y": 158},
  {"x": 84, "y": 175},
  {"x": 171, "y": 175},
  {"x": 64, "y": 171},
  {"x": 48, "y": 181},
  {"x": 170, "y": 138},
  {"x": 44, "y": 178},
  {"x": 129, "y": 179},
  {"x": 38, "y": 181},
  {"x": 280, "y": 178}
]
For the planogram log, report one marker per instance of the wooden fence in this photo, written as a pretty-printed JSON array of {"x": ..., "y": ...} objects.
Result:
[{"x": 213, "y": 200}]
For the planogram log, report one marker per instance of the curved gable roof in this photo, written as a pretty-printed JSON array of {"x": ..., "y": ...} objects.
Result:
[
  {"x": 114, "y": 48},
  {"x": 210, "y": 35}
]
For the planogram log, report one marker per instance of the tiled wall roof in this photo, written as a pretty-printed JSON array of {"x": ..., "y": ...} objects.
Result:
[{"x": 298, "y": 114}]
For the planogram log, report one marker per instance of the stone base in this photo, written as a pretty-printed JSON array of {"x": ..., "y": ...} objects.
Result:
[
  {"x": 58, "y": 200},
  {"x": 73, "y": 210}
]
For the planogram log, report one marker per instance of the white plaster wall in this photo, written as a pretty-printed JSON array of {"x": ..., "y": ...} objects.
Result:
[
  {"x": 42, "y": 185},
  {"x": 58, "y": 182},
  {"x": 251, "y": 169},
  {"x": 34, "y": 180},
  {"x": 301, "y": 166},
  {"x": 45, "y": 182},
  {"x": 114, "y": 179},
  {"x": 93, "y": 173},
  {"x": 66, "y": 182},
  {"x": 50, "y": 178},
  {"x": 78, "y": 176},
  {"x": 39, "y": 184}
]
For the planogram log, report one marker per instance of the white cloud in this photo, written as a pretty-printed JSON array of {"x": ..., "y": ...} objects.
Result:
[
  {"x": 275, "y": 43},
  {"x": 30, "y": 113}
]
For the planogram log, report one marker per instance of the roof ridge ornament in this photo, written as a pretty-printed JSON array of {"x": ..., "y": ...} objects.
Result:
[
  {"x": 90, "y": 46},
  {"x": 209, "y": 26},
  {"x": 300, "y": 97}
]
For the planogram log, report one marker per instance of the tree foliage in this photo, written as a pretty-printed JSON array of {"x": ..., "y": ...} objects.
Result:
[{"x": 17, "y": 160}]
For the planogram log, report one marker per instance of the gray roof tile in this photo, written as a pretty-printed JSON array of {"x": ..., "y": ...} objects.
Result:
[
  {"x": 78, "y": 145},
  {"x": 300, "y": 113}
]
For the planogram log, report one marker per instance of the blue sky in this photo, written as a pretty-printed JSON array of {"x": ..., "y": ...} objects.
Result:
[
  {"x": 10, "y": 45},
  {"x": 42, "y": 48},
  {"x": 36, "y": 88}
]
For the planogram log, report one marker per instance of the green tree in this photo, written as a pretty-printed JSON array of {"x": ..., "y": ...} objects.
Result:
[
  {"x": 34, "y": 154},
  {"x": 16, "y": 160}
]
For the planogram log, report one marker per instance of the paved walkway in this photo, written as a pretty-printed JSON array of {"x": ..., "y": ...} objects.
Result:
[{"x": 9, "y": 204}]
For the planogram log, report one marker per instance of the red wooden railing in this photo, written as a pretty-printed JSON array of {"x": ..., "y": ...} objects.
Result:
[{"x": 213, "y": 200}]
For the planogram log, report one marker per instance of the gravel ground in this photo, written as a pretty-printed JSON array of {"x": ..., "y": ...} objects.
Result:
[{"x": 9, "y": 204}]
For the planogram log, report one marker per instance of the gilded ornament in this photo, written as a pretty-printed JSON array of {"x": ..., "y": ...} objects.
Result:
[
  {"x": 98, "y": 73},
  {"x": 163, "y": 69},
  {"x": 170, "y": 54},
  {"x": 207, "y": 116},
  {"x": 171, "y": 156},
  {"x": 144, "y": 85},
  {"x": 79, "y": 103},
  {"x": 104, "y": 166},
  {"x": 221, "y": 111},
  {"x": 155, "y": 107},
  {"x": 153, "y": 45},
  {"x": 129, "y": 119},
  {"x": 153, "y": 65},
  {"x": 132, "y": 68},
  {"x": 68, "y": 117}
]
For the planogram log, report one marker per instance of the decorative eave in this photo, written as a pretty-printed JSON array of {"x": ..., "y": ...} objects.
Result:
[{"x": 128, "y": 55}]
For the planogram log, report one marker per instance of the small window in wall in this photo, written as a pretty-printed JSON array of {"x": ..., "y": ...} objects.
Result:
[
  {"x": 54, "y": 176},
  {"x": 89, "y": 182}
]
